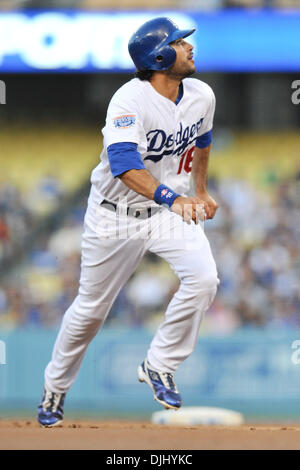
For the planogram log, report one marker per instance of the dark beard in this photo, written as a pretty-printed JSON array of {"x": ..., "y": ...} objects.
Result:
[{"x": 179, "y": 75}]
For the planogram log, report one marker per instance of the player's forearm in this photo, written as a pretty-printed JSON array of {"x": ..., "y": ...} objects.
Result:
[
  {"x": 140, "y": 181},
  {"x": 200, "y": 168}
]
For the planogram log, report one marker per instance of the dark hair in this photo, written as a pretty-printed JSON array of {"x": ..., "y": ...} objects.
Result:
[{"x": 144, "y": 74}]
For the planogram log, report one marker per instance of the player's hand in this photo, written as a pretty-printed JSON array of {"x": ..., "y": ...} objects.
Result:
[
  {"x": 210, "y": 205},
  {"x": 190, "y": 209}
]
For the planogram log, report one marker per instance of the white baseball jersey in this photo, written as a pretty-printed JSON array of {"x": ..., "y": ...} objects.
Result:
[{"x": 165, "y": 134}]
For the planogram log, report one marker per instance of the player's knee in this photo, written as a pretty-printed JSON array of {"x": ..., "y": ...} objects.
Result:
[
  {"x": 91, "y": 306},
  {"x": 204, "y": 281},
  {"x": 209, "y": 282}
]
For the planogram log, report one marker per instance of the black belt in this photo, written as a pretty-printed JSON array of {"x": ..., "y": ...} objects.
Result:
[{"x": 138, "y": 213}]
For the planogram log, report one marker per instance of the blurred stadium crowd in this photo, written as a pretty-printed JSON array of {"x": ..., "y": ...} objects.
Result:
[
  {"x": 142, "y": 4},
  {"x": 254, "y": 237}
]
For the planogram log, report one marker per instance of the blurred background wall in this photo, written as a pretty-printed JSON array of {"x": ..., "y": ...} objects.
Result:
[{"x": 50, "y": 140}]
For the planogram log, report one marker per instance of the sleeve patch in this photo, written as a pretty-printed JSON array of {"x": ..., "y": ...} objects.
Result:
[{"x": 124, "y": 121}]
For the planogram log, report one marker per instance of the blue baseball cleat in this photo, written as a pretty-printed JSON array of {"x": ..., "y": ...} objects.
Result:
[
  {"x": 162, "y": 384},
  {"x": 50, "y": 410}
]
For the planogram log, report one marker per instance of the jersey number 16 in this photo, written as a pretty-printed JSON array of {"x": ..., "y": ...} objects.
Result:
[{"x": 186, "y": 161}]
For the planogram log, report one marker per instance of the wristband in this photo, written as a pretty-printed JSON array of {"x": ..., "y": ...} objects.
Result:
[{"x": 164, "y": 195}]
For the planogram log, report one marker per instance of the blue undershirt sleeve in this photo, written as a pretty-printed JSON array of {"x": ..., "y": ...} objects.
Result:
[
  {"x": 204, "y": 140},
  {"x": 124, "y": 156}
]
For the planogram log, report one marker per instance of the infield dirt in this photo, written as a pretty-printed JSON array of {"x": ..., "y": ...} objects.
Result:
[{"x": 126, "y": 435}]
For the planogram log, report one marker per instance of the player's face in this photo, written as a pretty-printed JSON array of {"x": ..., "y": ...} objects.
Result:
[{"x": 184, "y": 65}]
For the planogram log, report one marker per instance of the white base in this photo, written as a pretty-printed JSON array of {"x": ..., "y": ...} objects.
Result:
[{"x": 197, "y": 415}]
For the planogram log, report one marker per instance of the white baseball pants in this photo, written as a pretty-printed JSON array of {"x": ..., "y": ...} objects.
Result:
[{"x": 112, "y": 247}]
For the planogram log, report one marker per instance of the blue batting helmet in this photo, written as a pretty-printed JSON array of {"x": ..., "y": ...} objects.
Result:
[{"x": 149, "y": 46}]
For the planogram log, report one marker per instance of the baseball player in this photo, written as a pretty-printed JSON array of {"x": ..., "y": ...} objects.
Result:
[{"x": 157, "y": 136}]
